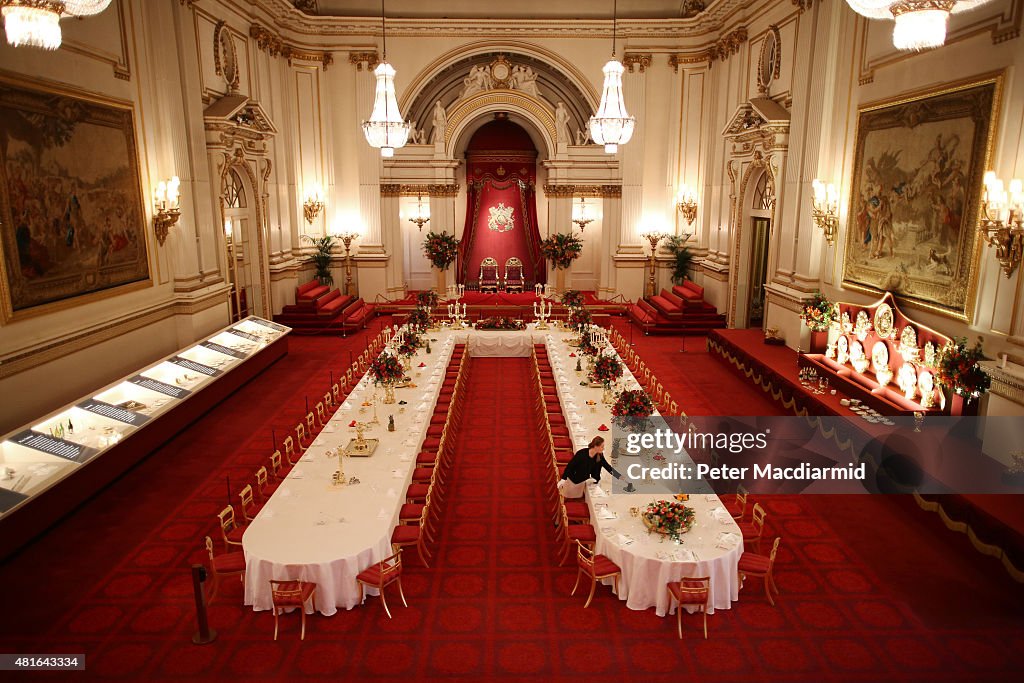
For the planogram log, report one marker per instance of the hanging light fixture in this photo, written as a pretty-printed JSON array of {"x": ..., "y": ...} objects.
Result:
[
  {"x": 612, "y": 126},
  {"x": 36, "y": 23},
  {"x": 920, "y": 24},
  {"x": 385, "y": 130}
]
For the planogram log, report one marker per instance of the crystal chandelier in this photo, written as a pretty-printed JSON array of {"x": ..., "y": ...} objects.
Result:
[
  {"x": 36, "y": 23},
  {"x": 385, "y": 129},
  {"x": 612, "y": 125},
  {"x": 920, "y": 24}
]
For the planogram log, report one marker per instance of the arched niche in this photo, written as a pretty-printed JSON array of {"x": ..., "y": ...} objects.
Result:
[{"x": 530, "y": 113}]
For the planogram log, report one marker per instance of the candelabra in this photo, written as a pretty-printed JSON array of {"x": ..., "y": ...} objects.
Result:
[
  {"x": 654, "y": 238},
  {"x": 825, "y": 209},
  {"x": 542, "y": 311},
  {"x": 313, "y": 205},
  {"x": 166, "y": 202},
  {"x": 1001, "y": 221},
  {"x": 686, "y": 204},
  {"x": 457, "y": 313},
  {"x": 346, "y": 239}
]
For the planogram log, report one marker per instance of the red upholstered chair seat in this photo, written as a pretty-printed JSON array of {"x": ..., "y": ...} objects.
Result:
[
  {"x": 370, "y": 575},
  {"x": 753, "y": 563},
  {"x": 577, "y": 510},
  {"x": 582, "y": 532},
  {"x": 439, "y": 418},
  {"x": 235, "y": 535},
  {"x": 405, "y": 534},
  {"x": 411, "y": 511},
  {"x": 603, "y": 566},
  {"x": 229, "y": 563},
  {"x": 423, "y": 458},
  {"x": 431, "y": 444},
  {"x": 422, "y": 474},
  {"x": 417, "y": 492},
  {"x": 749, "y": 530},
  {"x": 435, "y": 430},
  {"x": 305, "y": 590}
]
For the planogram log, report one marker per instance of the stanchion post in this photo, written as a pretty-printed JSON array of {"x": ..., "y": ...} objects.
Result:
[{"x": 205, "y": 634}]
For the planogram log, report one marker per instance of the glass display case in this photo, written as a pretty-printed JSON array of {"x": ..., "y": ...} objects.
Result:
[{"x": 36, "y": 457}]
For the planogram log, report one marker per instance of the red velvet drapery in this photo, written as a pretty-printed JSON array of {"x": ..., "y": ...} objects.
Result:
[{"x": 502, "y": 176}]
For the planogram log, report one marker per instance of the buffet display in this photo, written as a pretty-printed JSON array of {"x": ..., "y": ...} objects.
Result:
[
  {"x": 875, "y": 353},
  {"x": 36, "y": 457}
]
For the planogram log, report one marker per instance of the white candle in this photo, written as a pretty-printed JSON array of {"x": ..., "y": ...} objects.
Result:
[{"x": 1002, "y": 361}]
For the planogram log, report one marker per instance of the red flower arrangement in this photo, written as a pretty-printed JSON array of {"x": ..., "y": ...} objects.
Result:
[
  {"x": 579, "y": 318},
  {"x": 420, "y": 317},
  {"x": 561, "y": 249},
  {"x": 409, "y": 344},
  {"x": 633, "y": 403},
  {"x": 572, "y": 298},
  {"x": 427, "y": 299},
  {"x": 587, "y": 347},
  {"x": 441, "y": 249},
  {"x": 669, "y": 518},
  {"x": 606, "y": 370},
  {"x": 500, "y": 323},
  {"x": 818, "y": 312},
  {"x": 386, "y": 369},
  {"x": 957, "y": 368}
]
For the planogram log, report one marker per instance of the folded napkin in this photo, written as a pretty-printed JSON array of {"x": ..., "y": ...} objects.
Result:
[
  {"x": 598, "y": 492},
  {"x": 383, "y": 514},
  {"x": 624, "y": 539},
  {"x": 728, "y": 540},
  {"x": 267, "y": 513},
  {"x": 297, "y": 474},
  {"x": 721, "y": 514},
  {"x": 421, "y": 407},
  {"x": 605, "y": 513},
  {"x": 603, "y": 428},
  {"x": 684, "y": 555},
  {"x": 409, "y": 442},
  {"x": 711, "y": 498},
  {"x": 405, "y": 458},
  {"x": 391, "y": 493}
]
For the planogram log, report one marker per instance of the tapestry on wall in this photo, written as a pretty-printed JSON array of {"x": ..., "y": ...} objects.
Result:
[
  {"x": 71, "y": 215},
  {"x": 918, "y": 168}
]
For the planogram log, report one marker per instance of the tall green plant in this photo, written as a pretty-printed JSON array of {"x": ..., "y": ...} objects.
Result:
[
  {"x": 676, "y": 245},
  {"x": 321, "y": 257}
]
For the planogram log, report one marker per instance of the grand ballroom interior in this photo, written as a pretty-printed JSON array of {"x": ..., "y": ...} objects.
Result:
[{"x": 312, "y": 313}]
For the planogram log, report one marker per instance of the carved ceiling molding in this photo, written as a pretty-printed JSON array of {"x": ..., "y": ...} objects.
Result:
[
  {"x": 727, "y": 45},
  {"x": 275, "y": 46},
  {"x": 428, "y": 190},
  {"x": 803, "y": 5},
  {"x": 307, "y": 6},
  {"x": 631, "y": 59},
  {"x": 282, "y": 14},
  {"x": 370, "y": 59},
  {"x": 583, "y": 190}
]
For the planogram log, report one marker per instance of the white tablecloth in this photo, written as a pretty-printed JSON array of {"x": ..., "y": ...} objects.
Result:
[
  {"x": 312, "y": 531},
  {"x": 500, "y": 343},
  {"x": 648, "y": 561}
]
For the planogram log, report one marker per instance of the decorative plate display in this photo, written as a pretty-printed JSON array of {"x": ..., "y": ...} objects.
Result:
[
  {"x": 863, "y": 325},
  {"x": 908, "y": 342},
  {"x": 856, "y": 350},
  {"x": 907, "y": 379},
  {"x": 847, "y": 323},
  {"x": 925, "y": 382},
  {"x": 880, "y": 357},
  {"x": 929, "y": 354},
  {"x": 884, "y": 321},
  {"x": 844, "y": 344}
]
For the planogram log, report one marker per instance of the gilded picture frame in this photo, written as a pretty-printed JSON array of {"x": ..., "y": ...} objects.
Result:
[
  {"x": 73, "y": 227},
  {"x": 919, "y": 161}
]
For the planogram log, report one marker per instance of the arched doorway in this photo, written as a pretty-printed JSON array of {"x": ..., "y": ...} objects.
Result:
[
  {"x": 501, "y": 206},
  {"x": 756, "y": 266},
  {"x": 240, "y": 227}
]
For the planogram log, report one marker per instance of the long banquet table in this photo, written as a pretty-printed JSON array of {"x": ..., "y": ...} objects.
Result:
[{"x": 312, "y": 531}]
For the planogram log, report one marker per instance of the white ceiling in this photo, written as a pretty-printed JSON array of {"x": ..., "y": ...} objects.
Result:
[{"x": 503, "y": 9}]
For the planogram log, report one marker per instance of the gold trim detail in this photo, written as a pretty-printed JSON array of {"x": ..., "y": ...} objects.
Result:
[
  {"x": 429, "y": 190},
  {"x": 727, "y": 45},
  {"x": 631, "y": 59},
  {"x": 275, "y": 46},
  {"x": 371, "y": 59},
  {"x": 583, "y": 190},
  {"x": 464, "y": 110}
]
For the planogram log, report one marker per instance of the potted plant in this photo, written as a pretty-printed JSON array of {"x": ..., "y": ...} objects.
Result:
[
  {"x": 677, "y": 247},
  {"x": 321, "y": 257},
  {"x": 957, "y": 371},
  {"x": 561, "y": 249},
  {"x": 817, "y": 315}
]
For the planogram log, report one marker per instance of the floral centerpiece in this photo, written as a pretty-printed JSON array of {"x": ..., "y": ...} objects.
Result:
[
  {"x": 668, "y": 517},
  {"x": 386, "y": 370},
  {"x": 561, "y": 249},
  {"x": 572, "y": 298},
  {"x": 634, "y": 405},
  {"x": 441, "y": 249},
  {"x": 500, "y": 323},
  {"x": 420, "y": 317},
  {"x": 607, "y": 370},
  {"x": 427, "y": 299},
  {"x": 580, "y": 318},
  {"x": 410, "y": 343},
  {"x": 818, "y": 312},
  {"x": 957, "y": 368},
  {"x": 587, "y": 347}
]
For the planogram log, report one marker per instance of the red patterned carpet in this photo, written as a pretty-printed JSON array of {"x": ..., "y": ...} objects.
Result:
[{"x": 869, "y": 591}]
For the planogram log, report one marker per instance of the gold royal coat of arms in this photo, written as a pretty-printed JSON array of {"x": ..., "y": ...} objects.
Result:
[{"x": 501, "y": 218}]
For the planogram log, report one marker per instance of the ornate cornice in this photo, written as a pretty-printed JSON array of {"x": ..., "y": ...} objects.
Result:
[
  {"x": 369, "y": 58},
  {"x": 728, "y": 45},
  {"x": 631, "y": 59},
  {"x": 275, "y": 46},
  {"x": 583, "y": 190},
  {"x": 1005, "y": 383},
  {"x": 680, "y": 59},
  {"x": 803, "y": 5},
  {"x": 428, "y": 190}
]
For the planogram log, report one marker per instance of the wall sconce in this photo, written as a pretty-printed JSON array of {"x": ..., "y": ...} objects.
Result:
[
  {"x": 166, "y": 202},
  {"x": 686, "y": 204},
  {"x": 422, "y": 215},
  {"x": 825, "y": 209},
  {"x": 313, "y": 204},
  {"x": 229, "y": 229},
  {"x": 1002, "y": 220},
  {"x": 580, "y": 216}
]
